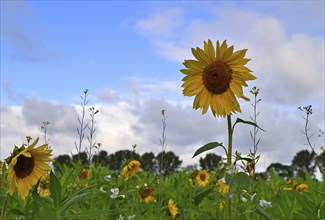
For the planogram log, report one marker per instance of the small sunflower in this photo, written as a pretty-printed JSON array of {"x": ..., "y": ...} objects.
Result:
[
  {"x": 172, "y": 209},
  {"x": 215, "y": 77},
  {"x": 131, "y": 169},
  {"x": 251, "y": 168},
  {"x": 146, "y": 193},
  {"x": 26, "y": 166},
  {"x": 302, "y": 187},
  {"x": 201, "y": 177},
  {"x": 84, "y": 174},
  {"x": 222, "y": 187},
  {"x": 43, "y": 187}
]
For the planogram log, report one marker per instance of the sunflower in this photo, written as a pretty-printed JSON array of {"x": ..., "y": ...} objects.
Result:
[
  {"x": 251, "y": 168},
  {"x": 131, "y": 169},
  {"x": 84, "y": 174},
  {"x": 172, "y": 209},
  {"x": 146, "y": 193},
  {"x": 43, "y": 187},
  {"x": 215, "y": 77},
  {"x": 26, "y": 166},
  {"x": 222, "y": 187},
  {"x": 201, "y": 177},
  {"x": 302, "y": 187}
]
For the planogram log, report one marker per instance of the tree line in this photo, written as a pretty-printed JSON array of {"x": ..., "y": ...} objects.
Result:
[{"x": 168, "y": 162}]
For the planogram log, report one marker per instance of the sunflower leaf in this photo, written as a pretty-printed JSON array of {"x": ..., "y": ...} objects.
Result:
[
  {"x": 71, "y": 201},
  {"x": 55, "y": 189},
  {"x": 198, "y": 199},
  {"x": 207, "y": 147},
  {"x": 239, "y": 120}
]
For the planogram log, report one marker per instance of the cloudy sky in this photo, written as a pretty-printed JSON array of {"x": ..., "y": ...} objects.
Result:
[{"x": 128, "y": 54}]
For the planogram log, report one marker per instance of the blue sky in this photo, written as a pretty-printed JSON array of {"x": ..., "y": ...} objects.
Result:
[{"x": 128, "y": 54}]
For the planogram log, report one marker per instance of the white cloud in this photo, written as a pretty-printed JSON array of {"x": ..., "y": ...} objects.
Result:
[{"x": 162, "y": 23}]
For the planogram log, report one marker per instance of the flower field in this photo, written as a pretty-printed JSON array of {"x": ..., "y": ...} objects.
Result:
[{"x": 101, "y": 193}]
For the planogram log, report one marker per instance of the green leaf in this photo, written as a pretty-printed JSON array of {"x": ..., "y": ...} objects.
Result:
[
  {"x": 261, "y": 211},
  {"x": 69, "y": 202},
  {"x": 55, "y": 189},
  {"x": 198, "y": 199},
  {"x": 242, "y": 179},
  {"x": 15, "y": 212},
  {"x": 207, "y": 147},
  {"x": 89, "y": 214},
  {"x": 239, "y": 120}
]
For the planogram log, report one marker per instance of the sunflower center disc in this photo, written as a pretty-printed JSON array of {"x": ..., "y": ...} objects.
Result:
[
  {"x": 24, "y": 166},
  {"x": 202, "y": 177},
  {"x": 217, "y": 77}
]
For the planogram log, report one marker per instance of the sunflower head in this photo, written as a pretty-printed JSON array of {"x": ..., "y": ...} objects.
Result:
[
  {"x": 201, "y": 177},
  {"x": 147, "y": 194},
  {"x": 216, "y": 77},
  {"x": 222, "y": 187},
  {"x": 251, "y": 168},
  {"x": 172, "y": 209},
  {"x": 26, "y": 166},
  {"x": 84, "y": 174},
  {"x": 44, "y": 187},
  {"x": 131, "y": 169},
  {"x": 302, "y": 187}
]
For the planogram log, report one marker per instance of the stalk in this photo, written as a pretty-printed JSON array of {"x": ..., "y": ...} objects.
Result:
[{"x": 229, "y": 160}]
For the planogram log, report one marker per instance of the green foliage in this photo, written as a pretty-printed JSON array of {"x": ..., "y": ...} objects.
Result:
[{"x": 207, "y": 147}]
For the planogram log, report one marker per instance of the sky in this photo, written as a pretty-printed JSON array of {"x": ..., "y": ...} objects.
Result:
[{"x": 128, "y": 55}]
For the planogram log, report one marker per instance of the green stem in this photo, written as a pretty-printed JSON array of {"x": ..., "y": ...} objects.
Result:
[
  {"x": 229, "y": 140},
  {"x": 229, "y": 159}
]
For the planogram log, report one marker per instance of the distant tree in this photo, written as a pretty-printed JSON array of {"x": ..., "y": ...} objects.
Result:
[
  {"x": 301, "y": 161},
  {"x": 61, "y": 160},
  {"x": 167, "y": 162},
  {"x": 101, "y": 158},
  {"x": 280, "y": 169},
  {"x": 148, "y": 162},
  {"x": 83, "y": 157},
  {"x": 210, "y": 161},
  {"x": 117, "y": 160}
]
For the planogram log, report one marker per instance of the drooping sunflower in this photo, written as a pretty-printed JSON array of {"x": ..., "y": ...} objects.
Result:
[
  {"x": 26, "y": 166},
  {"x": 216, "y": 77},
  {"x": 201, "y": 177},
  {"x": 147, "y": 194},
  {"x": 172, "y": 209},
  {"x": 131, "y": 169}
]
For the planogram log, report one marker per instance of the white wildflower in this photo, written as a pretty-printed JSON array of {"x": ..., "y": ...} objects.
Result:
[
  {"x": 107, "y": 178},
  {"x": 264, "y": 203},
  {"x": 102, "y": 189},
  {"x": 115, "y": 194},
  {"x": 131, "y": 217}
]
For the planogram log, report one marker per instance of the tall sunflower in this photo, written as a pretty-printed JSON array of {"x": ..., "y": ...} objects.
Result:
[
  {"x": 215, "y": 77},
  {"x": 26, "y": 166}
]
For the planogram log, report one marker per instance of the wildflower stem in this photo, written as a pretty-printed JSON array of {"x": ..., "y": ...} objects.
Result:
[{"x": 230, "y": 132}]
